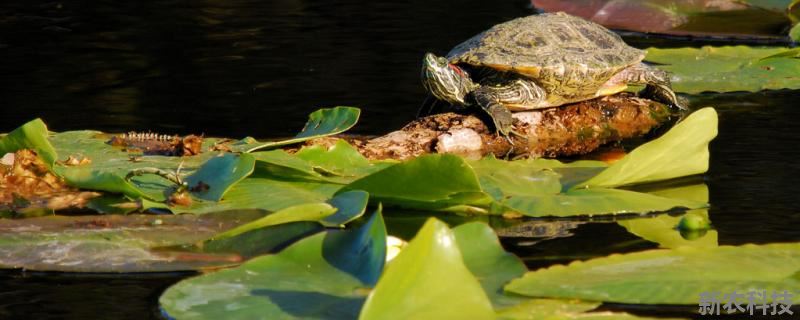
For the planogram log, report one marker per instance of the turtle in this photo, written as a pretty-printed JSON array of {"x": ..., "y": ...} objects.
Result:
[{"x": 540, "y": 61}]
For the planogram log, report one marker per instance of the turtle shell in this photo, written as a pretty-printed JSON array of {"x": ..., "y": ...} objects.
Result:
[{"x": 571, "y": 58}]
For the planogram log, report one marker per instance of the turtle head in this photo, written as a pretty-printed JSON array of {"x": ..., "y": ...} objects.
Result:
[{"x": 444, "y": 80}]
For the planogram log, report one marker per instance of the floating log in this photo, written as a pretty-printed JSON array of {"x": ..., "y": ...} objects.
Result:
[{"x": 570, "y": 130}]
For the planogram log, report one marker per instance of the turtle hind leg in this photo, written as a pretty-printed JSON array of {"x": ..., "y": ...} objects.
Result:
[{"x": 657, "y": 84}]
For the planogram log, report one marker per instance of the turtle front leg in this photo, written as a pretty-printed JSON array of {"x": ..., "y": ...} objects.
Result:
[
  {"x": 494, "y": 99},
  {"x": 657, "y": 84}
]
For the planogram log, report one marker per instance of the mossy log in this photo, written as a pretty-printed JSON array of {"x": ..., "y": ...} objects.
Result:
[{"x": 570, "y": 130}]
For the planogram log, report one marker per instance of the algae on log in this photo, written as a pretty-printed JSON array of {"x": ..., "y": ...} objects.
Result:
[{"x": 574, "y": 129}]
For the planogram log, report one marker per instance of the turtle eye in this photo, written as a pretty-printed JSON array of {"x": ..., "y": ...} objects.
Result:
[{"x": 443, "y": 61}]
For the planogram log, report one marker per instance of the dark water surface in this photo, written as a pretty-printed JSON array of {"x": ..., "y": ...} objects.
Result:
[{"x": 236, "y": 68}]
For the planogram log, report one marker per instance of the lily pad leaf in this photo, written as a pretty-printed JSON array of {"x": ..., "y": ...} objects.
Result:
[
  {"x": 595, "y": 202},
  {"x": 558, "y": 309},
  {"x": 297, "y": 283},
  {"x": 32, "y": 135},
  {"x": 349, "y": 206},
  {"x": 341, "y": 159},
  {"x": 259, "y": 241},
  {"x": 341, "y": 163},
  {"x": 677, "y": 276},
  {"x": 321, "y": 123},
  {"x": 427, "y": 182},
  {"x": 110, "y": 165},
  {"x": 361, "y": 254},
  {"x": 114, "y": 243},
  {"x": 218, "y": 174},
  {"x": 301, "y": 212},
  {"x": 546, "y": 309},
  {"x": 86, "y": 178},
  {"x": 794, "y": 33},
  {"x": 488, "y": 261},
  {"x": 682, "y": 151},
  {"x": 661, "y": 229},
  {"x": 430, "y": 269},
  {"x": 265, "y": 194},
  {"x": 502, "y": 179},
  {"x": 728, "y": 69}
]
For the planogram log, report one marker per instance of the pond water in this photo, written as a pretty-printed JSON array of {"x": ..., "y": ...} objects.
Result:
[{"x": 247, "y": 67}]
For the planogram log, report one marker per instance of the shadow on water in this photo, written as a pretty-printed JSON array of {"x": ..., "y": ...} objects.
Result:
[{"x": 245, "y": 67}]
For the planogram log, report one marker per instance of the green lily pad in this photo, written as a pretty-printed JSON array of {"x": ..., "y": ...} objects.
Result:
[
  {"x": 350, "y": 206},
  {"x": 427, "y": 182},
  {"x": 488, "y": 261},
  {"x": 321, "y": 123},
  {"x": 502, "y": 179},
  {"x": 534, "y": 309},
  {"x": 88, "y": 179},
  {"x": 727, "y": 69},
  {"x": 340, "y": 164},
  {"x": 218, "y": 174},
  {"x": 558, "y": 309},
  {"x": 300, "y": 212},
  {"x": 341, "y": 159},
  {"x": 109, "y": 166},
  {"x": 682, "y": 151},
  {"x": 259, "y": 241},
  {"x": 32, "y": 135},
  {"x": 661, "y": 229},
  {"x": 794, "y": 33},
  {"x": 300, "y": 282},
  {"x": 265, "y": 194},
  {"x": 676, "y": 276},
  {"x": 428, "y": 280},
  {"x": 596, "y": 202},
  {"x": 114, "y": 243}
]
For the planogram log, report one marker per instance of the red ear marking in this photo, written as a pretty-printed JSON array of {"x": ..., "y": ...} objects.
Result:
[{"x": 456, "y": 69}]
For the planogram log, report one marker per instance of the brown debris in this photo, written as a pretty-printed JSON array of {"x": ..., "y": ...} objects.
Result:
[
  {"x": 180, "y": 198},
  {"x": 574, "y": 129},
  {"x": 27, "y": 183},
  {"x": 159, "y": 144}
]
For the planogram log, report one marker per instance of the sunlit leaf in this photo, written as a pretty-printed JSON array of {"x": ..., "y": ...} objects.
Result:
[
  {"x": 32, "y": 135},
  {"x": 558, "y": 309},
  {"x": 427, "y": 182},
  {"x": 265, "y": 194},
  {"x": 661, "y": 229},
  {"x": 317, "y": 277},
  {"x": 109, "y": 165},
  {"x": 259, "y": 241},
  {"x": 321, "y": 123},
  {"x": 488, "y": 261},
  {"x": 341, "y": 163},
  {"x": 535, "y": 309},
  {"x": 794, "y": 33},
  {"x": 502, "y": 179},
  {"x": 676, "y": 276},
  {"x": 86, "y": 178},
  {"x": 595, "y": 202},
  {"x": 428, "y": 280},
  {"x": 300, "y": 212},
  {"x": 682, "y": 151},
  {"x": 726, "y": 69},
  {"x": 341, "y": 159}
]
